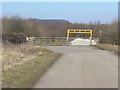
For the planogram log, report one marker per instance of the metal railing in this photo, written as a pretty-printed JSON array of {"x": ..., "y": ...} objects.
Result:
[{"x": 48, "y": 41}]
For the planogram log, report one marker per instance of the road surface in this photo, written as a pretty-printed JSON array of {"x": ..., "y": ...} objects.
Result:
[{"x": 81, "y": 67}]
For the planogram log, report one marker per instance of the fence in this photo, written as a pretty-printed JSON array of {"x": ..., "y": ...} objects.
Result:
[
  {"x": 55, "y": 41},
  {"x": 48, "y": 41}
]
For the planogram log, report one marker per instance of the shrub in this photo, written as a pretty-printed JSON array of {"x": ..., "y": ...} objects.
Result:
[{"x": 16, "y": 38}]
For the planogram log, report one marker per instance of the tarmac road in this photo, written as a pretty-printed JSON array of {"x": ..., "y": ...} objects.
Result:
[{"x": 81, "y": 67}]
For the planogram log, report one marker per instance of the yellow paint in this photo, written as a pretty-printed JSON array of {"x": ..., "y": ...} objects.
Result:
[
  {"x": 78, "y": 31},
  {"x": 68, "y": 33},
  {"x": 57, "y": 42},
  {"x": 100, "y": 32}
]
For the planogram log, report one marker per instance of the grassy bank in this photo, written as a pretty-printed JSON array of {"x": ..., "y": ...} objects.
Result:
[
  {"x": 108, "y": 47},
  {"x": 24, "y": 74}
]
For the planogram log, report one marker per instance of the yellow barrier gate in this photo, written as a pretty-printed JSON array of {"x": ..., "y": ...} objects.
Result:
[{"x": 78, "y": 31}]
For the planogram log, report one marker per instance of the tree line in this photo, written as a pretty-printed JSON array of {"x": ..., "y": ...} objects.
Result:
[{"x": 32, "y": 27}]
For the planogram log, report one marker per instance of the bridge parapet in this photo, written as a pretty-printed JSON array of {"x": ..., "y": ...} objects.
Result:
[{"x": 48, "y": 41}]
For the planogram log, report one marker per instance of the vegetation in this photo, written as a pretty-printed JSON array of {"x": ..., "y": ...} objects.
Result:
[
  {"x": 108, "y": 47},
  {"x": 24, "y": 64},
  {"x": 58, "y": 28},
  {"x": 16, "y": 38}
]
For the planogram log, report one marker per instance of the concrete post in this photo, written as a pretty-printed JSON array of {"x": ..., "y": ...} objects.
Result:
[{"x": 90, "y": 40}]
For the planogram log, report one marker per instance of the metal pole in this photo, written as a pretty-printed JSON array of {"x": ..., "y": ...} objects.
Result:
[
  {"x": 100, "y": 32},
  {"x": 91, "y": 37},
  {"x": 67, "y": 36}
]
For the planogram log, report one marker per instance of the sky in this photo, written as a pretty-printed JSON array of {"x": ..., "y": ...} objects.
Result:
[{"x": 75, "y": 12}]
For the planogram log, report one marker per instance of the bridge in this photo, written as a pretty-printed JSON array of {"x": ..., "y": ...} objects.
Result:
[{"x": 63, "y": 41}]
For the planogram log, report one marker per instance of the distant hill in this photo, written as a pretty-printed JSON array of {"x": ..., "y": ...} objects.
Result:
[
  {"x": 55, "y": 27},
  {"x": 52, "y": 20}
]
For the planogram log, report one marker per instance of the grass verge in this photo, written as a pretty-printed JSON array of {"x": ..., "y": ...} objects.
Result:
[
  {"x": 25, "y": 75},
  {"x": 108, "y": 47}
]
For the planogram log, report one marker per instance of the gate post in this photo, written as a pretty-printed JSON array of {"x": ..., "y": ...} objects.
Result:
[
  {"x": 90, "y": 40},
  {"x": 67, "y": 36}
]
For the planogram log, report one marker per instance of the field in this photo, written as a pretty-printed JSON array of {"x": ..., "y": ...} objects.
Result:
[{"x": 24, "y": 64}]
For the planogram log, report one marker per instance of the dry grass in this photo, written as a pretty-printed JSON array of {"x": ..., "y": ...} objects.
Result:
[
  {"x": 108, "y": 47},
  {"x": 16, "y": 54},
  {"x": 24, "y": 64}
]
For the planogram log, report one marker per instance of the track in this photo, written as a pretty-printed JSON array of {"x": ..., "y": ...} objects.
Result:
[{"x": 81, "y": 67}]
